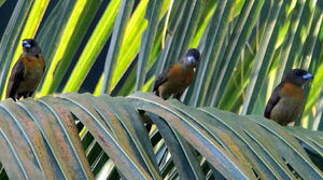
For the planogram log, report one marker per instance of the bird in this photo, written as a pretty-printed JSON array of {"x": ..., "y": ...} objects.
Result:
[
  {"x": 27, "y": 71},
  {"x": 287, "y": 100},
  {"x": 175, "y": 79}
]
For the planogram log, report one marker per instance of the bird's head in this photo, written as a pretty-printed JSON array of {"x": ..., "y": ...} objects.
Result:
[
  {"x": 30, "y": 46},
  {"x": 192, "y": 58},
  {"x": 298, "y": 77}
]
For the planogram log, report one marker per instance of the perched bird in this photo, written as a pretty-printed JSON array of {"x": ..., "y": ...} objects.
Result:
[
  {"x": 287, "y": 101},
  {"x": 27, "y": 72},
  {"x": 177, "y": 77}
]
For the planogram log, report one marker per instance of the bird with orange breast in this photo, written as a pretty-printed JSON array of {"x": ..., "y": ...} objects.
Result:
[
  {"x": 27, "y": 72},
  {"x": 175, "y": 79},
  {"x": 287, "y": 100}
]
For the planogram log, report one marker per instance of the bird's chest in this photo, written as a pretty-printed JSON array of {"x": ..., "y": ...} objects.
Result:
[
  {"x": 290, "y": 106},
  {"x": 181, "y": 77},
  {"x": 34, "y": 70}
]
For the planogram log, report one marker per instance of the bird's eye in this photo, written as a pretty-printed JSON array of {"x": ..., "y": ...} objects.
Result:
[{"x": 300, "y": 73}]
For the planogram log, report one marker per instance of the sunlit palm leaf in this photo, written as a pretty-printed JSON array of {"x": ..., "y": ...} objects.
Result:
[
  {"x": 80, "y": 15},
  {"x": 45, "y": 129},
  {"x": 257, "y": 134}
]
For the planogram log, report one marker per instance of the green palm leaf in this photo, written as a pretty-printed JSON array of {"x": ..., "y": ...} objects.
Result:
[{"x": 45, "y": 129}]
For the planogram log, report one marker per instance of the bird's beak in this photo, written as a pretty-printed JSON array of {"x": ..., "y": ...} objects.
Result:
[
  {"x": 25, "y": 44},
  {"x": 307, "y": 76},
  {"x": 191, "y": 59}
]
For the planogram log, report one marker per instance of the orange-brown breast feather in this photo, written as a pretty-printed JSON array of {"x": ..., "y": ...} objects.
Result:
[
  {"x": 174, "y": 70},
  {"x": 173, "y": 81},
  {"x": 292, "y": 90},
  {"x": 33, "y": 62},
  {"x": 180, "y": 75},
  {"x": 34, "y": 69}
]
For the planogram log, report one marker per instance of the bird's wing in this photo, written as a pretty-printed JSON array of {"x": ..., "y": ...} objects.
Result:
[
  {"x": 273, "y": 100},
  {"x": 161, "y": 79},
  {"x": 43, "y": 61},
  {"x": 17, "y": 75}
]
